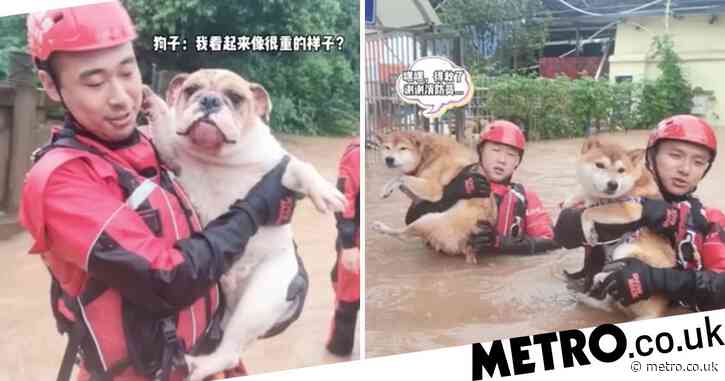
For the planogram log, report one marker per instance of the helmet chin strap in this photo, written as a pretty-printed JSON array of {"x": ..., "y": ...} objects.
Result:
[{"x": 45, "y": 66}]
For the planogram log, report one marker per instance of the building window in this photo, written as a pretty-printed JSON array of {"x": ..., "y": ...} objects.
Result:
[{"x": 623, "y": 78}]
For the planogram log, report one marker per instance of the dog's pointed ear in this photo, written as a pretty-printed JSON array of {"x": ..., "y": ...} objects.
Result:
[
  {"x": 637, "y": 155},
  {"x": 174, "y": 88},
  {"x": 262, "y": 101},
  {"x": 377, "y": 138},
  {"x": 592, "y": 142},
  {"x": 415, "y": 138}
]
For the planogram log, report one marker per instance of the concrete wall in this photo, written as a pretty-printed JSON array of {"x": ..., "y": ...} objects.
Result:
[{"x": 698, "y": 40}]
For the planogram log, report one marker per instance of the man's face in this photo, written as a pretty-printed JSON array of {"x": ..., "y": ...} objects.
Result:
[
  {"x": 680, "y": 165},
  {"x": 101, "y": 88},
  {"x": 498, "y": 161}
]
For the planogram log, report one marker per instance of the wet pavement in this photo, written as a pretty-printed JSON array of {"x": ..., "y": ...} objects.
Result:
[
  {"x": 417, "y": 299},
  {"x": 31, "y": 348}
]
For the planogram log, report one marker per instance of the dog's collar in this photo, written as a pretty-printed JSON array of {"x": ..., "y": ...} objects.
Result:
[
  {"x": 415, "y": 170},
  {"x": 608, "y": 201}
]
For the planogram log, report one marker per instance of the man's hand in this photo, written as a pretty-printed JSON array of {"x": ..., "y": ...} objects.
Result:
[
  {"x": 664, "y": 217},
  {"x": 485, "y": 240},
  {"x": 270, "y": 202},
  {"x": 350, "y": 259},
  {"x": 630, "y": 280},
  {"x": 467, "y": 186}
]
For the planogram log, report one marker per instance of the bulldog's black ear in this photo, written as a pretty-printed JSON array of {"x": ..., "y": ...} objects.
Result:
[
  {"x": 174, "y": 88},
  {"x": 262, "y": 101}
]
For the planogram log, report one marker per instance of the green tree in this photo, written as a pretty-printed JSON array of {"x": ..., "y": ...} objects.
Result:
[
  {"x": 312, "y": 92},
  {"x": 518, "y": 26},
  {"x": 671, "y": 92},
  {"x": 12, "y": 39}
]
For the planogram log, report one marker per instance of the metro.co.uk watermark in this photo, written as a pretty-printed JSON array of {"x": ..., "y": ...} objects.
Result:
[{"x": 571, "y": 345}]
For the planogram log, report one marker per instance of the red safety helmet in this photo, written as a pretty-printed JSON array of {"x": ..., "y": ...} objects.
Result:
[
  {"x": 504, "y": 132},
  {"x": 86, "y": 27},
  {"x": 686, "y": 128}
]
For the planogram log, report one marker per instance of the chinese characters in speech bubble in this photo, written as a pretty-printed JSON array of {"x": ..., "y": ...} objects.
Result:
[{"x": 435, "y": 84}]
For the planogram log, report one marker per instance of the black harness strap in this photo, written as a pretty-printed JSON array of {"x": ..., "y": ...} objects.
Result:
[
  {"x": 517, "y": 228},
  {"x": 75, "y": 336},
  {"x": 78, "y": 332}
]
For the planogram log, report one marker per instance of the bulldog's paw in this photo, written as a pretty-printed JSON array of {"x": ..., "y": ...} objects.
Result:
[
  {"x": 327, "y": 197},
  {"x": 152, "y": 106}
]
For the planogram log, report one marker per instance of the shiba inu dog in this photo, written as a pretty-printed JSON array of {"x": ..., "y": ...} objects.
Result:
[
  {"x": 611, "y": 178},
  {"x": 214, "y": 133},
  {"x": 426, "y": 163}
]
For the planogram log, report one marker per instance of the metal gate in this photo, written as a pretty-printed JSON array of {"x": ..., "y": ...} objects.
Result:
[{"x": 387, "y": 55}]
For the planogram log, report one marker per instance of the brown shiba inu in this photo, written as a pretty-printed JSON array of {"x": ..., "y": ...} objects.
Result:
[
  {"x": 611, "y": 177},
  {"x": 427, "y": 163}
]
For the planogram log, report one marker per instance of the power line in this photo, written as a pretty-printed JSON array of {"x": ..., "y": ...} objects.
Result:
[{"x": 612, "y": 14}]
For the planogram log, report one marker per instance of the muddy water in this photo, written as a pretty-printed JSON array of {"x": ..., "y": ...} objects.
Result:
[
  {"x": 417, "y": 299},
  {"x": 31, "y": 348}
]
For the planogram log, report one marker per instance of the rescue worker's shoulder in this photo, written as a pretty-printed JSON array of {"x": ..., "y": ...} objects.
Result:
[
  {"x": 62, "y": 164},
  {"x": 352, "y": 153},
  {"x": 714, "y": 215},
  {"x": 532, "y": 198}
]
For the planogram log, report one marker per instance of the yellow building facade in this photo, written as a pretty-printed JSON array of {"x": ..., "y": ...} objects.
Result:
[{"x": 699, "y": 40}]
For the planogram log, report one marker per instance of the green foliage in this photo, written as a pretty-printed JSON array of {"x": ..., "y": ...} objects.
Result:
[
  {"x": 552, "y": 108},
  {"x": 670, "y": 93},
  {"x": 12, "y": 39},
  {"x": 312, "y": 92},
  {"x": 561, "y": 107},
  {"x": 518, "y": 48}
]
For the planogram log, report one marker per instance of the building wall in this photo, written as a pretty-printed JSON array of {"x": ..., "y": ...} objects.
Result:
[{"x": 698, "y": 40}]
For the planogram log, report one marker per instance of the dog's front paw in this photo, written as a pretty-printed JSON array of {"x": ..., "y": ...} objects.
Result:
[
  {"x": 192, "y": 367},
  {"x": 390, "y": 187},
  {"x": 379, "y": 227},
  {"x": 198, "y": 368},
  {"x": 327, "y": 197},
  {"x": 152, "y": 106}
]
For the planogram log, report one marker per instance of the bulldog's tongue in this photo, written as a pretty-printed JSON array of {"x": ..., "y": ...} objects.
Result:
[{"x": 206, "y": 135}]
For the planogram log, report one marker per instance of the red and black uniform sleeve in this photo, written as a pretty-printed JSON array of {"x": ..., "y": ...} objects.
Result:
[
  {"x": 704, "y": 289},
  {"x": 539, "y": 234},
  {"x": 91, "y": 228},
  {"x": 709, "y": 284},
  {"x": 538, "y": 222},
  {"x": 348, "y": 182},
  {"x": 450, "y": 197}
]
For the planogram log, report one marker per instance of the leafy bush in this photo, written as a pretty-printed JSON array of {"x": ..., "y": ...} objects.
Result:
[
  {"x": 552, "y": 108},
  {"x": 312, "y": 92},
  {"x": 12, "y": 39},
  {"x": 670, "y": 93},
  {"x": 561, "y": 107}
]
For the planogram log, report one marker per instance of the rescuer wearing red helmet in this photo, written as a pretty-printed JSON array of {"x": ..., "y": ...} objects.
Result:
[
  {"x": 680, "y": 152},
  {"x": 523, "y": 226},
  {"x": 134, "y": 274}
]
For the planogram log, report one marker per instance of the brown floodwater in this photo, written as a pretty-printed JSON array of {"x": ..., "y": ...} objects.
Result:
[{"x": 417, "y": 299}]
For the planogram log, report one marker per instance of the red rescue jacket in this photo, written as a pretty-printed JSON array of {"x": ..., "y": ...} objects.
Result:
[
  {"x": 347, "y": 283},
  {"x": 111, "y": 249}
]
